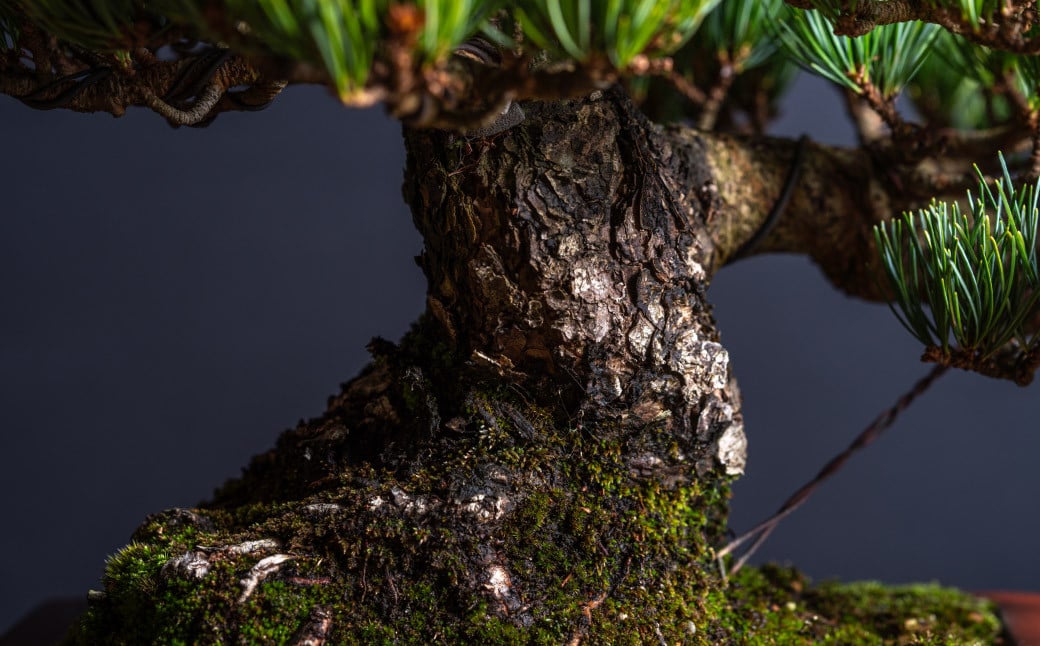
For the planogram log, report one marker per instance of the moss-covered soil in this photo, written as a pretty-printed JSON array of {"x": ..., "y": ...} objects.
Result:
[
  {"x": 510, "y": 533},
  {"x": 768, "y": 605}
]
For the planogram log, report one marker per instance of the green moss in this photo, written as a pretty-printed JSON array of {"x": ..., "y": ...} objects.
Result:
[
  {"x": 144, "y": 605},
  {"x": 775, "y": 605},
  {"x": 928, "y": 613},
  {"x": 582, "y": 546},
  {"x": 277, "y": 610}
]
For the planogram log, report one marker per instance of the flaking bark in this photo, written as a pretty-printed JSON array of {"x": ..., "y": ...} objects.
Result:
[
  {"x": 543, "y": 459},
  {"x": 575, "y": 249}
]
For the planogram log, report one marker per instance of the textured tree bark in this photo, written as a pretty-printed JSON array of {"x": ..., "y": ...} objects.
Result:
[
  {"x": 543, "y": 459},
  {"x": 576, "y": 253}
]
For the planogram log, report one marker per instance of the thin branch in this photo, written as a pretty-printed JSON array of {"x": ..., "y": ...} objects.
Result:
[
  {"x": 869, "y": 125},
  {"x": 1013, "y": 363},
  {"x": 683, "y": 86},
  {"x": 199, "y": 111},
  {"x": 196, "y": 74},
  {"x": 463, "y": 93},
  {"x": 202, "y": 79},
  {"x": 902, "y": 130},
  {"x": 1034, "y": 156},
  {"x": 717, "y": 93},
  {"x": 1009, "y": 30},
  {"x": 45, "y": 98},
  {"x": 975, "y": 144},
  {"x": 258, "y": 96},
  {"x": 759, "y": 111}
]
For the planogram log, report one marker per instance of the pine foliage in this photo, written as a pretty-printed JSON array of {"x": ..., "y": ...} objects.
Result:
[
  {"x": 619, "y": 29},
  {"x": 888, "y": 57},
  {"x": 340, "y": 34},
  {"x": 967, "y": 281},
  {"x": 969, "y": 268}
]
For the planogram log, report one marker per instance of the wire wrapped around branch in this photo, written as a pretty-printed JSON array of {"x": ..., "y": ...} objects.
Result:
[{"x": 190, "y": 90}]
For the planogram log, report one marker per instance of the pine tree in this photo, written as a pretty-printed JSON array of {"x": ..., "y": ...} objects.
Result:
[{"x": 546, "y": 456}]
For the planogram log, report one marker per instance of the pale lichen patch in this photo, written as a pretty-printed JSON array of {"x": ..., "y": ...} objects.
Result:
[
  {"x": 499, "y": 582},
  {"x": 190, "y": 565},
  {"x": 732, "y": 449},
  {"x": 484, "y": 507},
  {"x": 323, "y": 507},
  {"x": 247, "y": 547},
  {"x": 417, "y": 505}
]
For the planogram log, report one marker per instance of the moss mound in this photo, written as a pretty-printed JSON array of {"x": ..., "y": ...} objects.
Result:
[{"x": 510, "y": 533}]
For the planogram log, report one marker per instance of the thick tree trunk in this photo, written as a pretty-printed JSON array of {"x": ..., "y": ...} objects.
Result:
[
  {"x": 573, "y": 256},
  {"x": 543, "y": 459}
]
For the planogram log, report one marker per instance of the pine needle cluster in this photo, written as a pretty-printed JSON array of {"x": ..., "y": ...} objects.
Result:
[{"x": 967, "y": 282}]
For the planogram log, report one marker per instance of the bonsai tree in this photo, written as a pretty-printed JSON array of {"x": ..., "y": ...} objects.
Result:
[{"x": 546, "y": 456}]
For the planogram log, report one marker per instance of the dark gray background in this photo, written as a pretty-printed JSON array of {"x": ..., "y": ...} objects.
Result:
[{"x": 173, "y": 299}]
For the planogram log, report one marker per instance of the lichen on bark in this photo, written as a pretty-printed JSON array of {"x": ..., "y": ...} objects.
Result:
[{"x": 544, "y": 458}]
